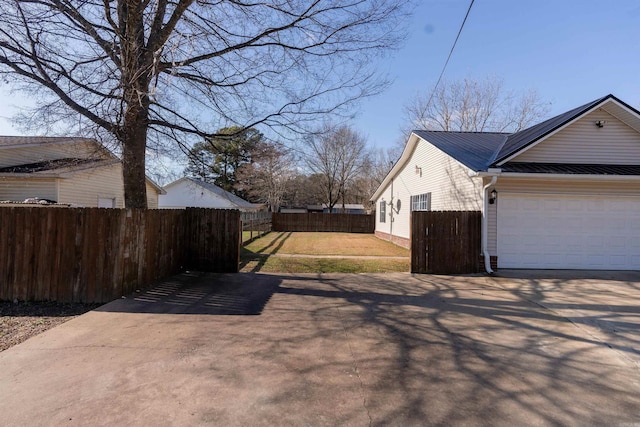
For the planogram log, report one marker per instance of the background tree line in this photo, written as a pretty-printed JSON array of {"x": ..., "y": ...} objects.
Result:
[{"x": 334, "y": 165}]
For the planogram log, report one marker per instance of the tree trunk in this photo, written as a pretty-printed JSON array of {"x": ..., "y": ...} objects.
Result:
[
  {"x": 133, "y": 166},
  {"x": 133, "y": 133}
]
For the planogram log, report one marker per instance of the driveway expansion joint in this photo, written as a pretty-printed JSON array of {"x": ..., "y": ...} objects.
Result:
[{"x": 357, "y": 372}]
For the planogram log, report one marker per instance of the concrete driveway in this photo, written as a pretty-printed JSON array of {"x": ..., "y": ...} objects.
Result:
[{"x": 391, "y": 349}]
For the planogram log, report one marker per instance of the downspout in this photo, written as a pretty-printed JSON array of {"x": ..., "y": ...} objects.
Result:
[
  {"x": 485, "y": 225},
  {"x": 391, "y": 214}
]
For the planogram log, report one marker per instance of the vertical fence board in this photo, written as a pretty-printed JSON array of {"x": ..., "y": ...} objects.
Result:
[
  {"x": 97, "y": 255},
  {"x": 445, "y": 242},
  {"x": 323, "y": 222}
]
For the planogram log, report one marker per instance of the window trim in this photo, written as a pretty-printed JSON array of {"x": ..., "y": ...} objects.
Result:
[
  {"x": 421, "y": 202},
  {"x": 383, "y": 211}
]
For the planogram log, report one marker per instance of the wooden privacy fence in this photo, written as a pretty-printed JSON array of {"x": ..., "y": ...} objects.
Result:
[
  {"x": 254, "y": 225},
  {"x": 97, "y": 255},
  {"x": 445, "y": 242},
  {"x": 336, "y": 222}
]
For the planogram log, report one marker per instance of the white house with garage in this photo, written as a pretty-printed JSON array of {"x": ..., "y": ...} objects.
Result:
[{"x": 563, "y": 194}]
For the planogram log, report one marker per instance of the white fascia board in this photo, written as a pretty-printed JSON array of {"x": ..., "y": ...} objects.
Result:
[
  {"x": 624, "y": 107},
  {"x": 402, "y": 161},
  {"x": 488, "y": 173}
]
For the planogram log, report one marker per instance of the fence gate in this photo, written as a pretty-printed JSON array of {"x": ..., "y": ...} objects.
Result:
[
  {"x": 445, "y": 242},
  {"x": 254, "y": 225}
]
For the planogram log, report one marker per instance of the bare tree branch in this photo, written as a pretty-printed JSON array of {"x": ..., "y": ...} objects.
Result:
[
  {"x": 156, "y": 72},
  {"x": 475, "y": 106}
]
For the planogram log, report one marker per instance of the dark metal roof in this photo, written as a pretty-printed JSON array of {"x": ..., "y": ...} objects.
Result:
[
  {"x": 571, "y": 168},
  {"x": 519, "y": 140},
  {"x": 48, "y": 165},
  {"x": 482, "y": 150},
  {"x": 473, "y": 149}
]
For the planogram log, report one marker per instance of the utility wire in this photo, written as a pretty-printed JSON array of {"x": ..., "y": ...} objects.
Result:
[{"x": 450, "y": 53}]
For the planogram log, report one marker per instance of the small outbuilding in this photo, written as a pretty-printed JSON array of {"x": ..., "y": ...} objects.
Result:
[{"x": 190, "y": 192}]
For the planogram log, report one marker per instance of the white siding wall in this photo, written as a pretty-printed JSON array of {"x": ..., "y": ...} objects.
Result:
[
  {"x": 84, "y": 188},
  {"x": 492, "y": 227},
  {"x": 584, "y": 142},
  {"x": 18, "y": 189},
  {"x": 152, "y": 197},
  {"x": 447, "y": 180},
  {"x": 187, "y": 194},
  {"x": 568, "y": 187},
  {"x": 34, "y": 154}
]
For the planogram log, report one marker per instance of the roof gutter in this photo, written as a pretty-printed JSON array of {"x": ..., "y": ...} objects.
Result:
[
  {"x": 493, "y": 173},
  {"x": 524, "y": 175}
]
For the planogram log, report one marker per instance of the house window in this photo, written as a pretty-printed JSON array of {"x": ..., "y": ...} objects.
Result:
[
  {"x": 106, "y": 202},
  {"x": 383, "y": 211},
  {"x": 421, "y": 202}
]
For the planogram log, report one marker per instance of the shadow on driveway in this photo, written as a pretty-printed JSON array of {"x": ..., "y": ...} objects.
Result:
[
  {"x": 201, "y": 293},
  {"x": 331, "y": 349}
]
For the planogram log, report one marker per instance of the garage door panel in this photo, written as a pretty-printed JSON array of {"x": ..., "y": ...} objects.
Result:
[{"x": 581, "y": 232}]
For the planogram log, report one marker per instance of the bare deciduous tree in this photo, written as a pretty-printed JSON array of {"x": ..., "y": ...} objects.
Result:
[
  {"x": 141, "y": 73},
  {"x": 338, "y": 155},
  {"x": 267, "y": 177},
  {"x": 378, "y": 164},
  {"x": 475, "y": 106}
]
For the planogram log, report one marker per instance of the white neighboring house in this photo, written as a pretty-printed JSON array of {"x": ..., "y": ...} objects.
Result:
[
  {"x": 70, "y": 171},
  {"x": 562, "y": 194},
  {"x": 190, "y": 192}
]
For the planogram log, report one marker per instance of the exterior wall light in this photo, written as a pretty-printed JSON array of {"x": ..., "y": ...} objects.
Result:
[
  {"x": 493, "y": 197},
  {"x": 601, "y": 123}
]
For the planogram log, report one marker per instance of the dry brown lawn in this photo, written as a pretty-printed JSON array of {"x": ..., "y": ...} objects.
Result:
[
  {"x": 349, "y": 244},
  {"x": 289, "y": 252}
]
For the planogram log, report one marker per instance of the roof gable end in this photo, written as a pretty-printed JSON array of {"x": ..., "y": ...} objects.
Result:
[
  {"x": 519, "y": 142},
  {"x": 215, "y": 191}
]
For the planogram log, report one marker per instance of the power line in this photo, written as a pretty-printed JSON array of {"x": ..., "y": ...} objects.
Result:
[{"x": 450, "y": 52}]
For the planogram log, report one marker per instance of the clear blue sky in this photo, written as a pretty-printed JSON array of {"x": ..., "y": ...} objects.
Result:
[{"x": 570, "y": 51}]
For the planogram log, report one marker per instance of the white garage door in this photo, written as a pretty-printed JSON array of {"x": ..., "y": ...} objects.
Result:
[{"x": 573, "y": 232}]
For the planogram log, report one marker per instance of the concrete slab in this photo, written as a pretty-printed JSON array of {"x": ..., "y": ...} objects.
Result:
[{"x": 389, "y": 349}]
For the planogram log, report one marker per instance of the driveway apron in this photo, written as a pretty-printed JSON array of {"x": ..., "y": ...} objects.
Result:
[{"x": 335, "y": 349}]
